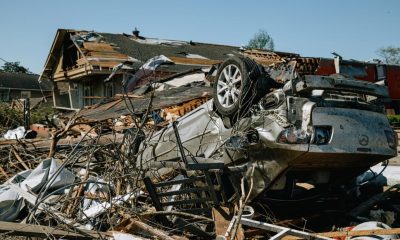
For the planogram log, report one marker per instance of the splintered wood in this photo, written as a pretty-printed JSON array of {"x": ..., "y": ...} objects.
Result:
[{"x": 172, "y": 113}]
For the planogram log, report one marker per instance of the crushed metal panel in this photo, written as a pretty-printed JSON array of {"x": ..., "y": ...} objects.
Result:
[{"x": 339, "y": 83}]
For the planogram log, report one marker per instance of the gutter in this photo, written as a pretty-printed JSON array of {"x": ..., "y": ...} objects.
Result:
[{"x": 26, "y": 89}]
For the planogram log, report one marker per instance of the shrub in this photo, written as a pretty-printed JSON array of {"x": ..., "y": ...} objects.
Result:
[
  {"x": 10, "y": 118},
  {"x": 394, "y": 120}
]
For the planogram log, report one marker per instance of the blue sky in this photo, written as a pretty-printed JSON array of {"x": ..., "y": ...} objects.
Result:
[{"x": 355, "y": 29}]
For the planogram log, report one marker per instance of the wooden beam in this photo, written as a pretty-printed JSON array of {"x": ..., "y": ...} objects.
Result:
[
  {"x": 20, "y": 159},
  {"x": 94, "y": 46},
  {"x": 353, "y": 233},
  {"x": 279, "y": 229},
  {"x": 30, "y": 230},
  {"x": 159, "y": 234},
  {"x": 77, "y": 73},
  {"x": 392, "y": 231},
  {"x": 4, "y": 173},
  {"x": 79, "y": 49},
  {"x": 222, "y": 217},
  {"x": 194, "y": 61}
]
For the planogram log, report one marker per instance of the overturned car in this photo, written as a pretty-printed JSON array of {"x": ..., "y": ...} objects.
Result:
[{"x": 278, "y": 129}]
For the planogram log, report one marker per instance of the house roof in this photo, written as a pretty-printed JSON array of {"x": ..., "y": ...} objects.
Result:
[
  {"x": 146, "y": 48},
  {"x": 102, "y": 51},
  {"x": 22, "y": 81}
]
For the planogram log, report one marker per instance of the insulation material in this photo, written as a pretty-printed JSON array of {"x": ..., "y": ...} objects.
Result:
[
  {"x": 181, "y": 81},
  {"x": 44, "y": 175},
  {"x": 17, "y": 133}
]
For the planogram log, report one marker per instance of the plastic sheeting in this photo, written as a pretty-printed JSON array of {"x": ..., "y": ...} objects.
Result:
[
  {"x": 391, "y": 173},
  {"x": 17, "y": 133},
  {"x": 44, "y": 175},
  {"x": 149, "y": 66}
]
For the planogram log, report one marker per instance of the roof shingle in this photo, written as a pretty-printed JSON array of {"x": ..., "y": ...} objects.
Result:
[{"x": 22, "y": 81}]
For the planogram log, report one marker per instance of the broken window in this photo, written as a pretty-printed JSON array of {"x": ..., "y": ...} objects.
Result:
[
  {"x": 353, "y": 71},
  {"x": 109, "y": 89},
  {"x": 70, "y": 54}
]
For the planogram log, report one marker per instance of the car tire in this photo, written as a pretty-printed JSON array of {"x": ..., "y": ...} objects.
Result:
[{"x": 240, "y": 82}]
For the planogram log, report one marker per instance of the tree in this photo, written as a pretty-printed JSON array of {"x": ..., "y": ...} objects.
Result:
[
  {"x": 261, "y": 40},
  {"x": 391, "y": 55},
  {"x": 14, "y": 67}
]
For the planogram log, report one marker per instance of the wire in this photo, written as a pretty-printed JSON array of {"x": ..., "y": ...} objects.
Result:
[
  {"x": 375, "y": 175},
  {"x": 4, "y": 60}
]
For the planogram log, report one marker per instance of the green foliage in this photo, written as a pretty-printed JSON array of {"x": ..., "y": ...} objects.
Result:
[
  {"x": 394, "y": 120},
  {"x": 9, "y": 118},
  {"x": 261, "y": 40},
  {"x": 14, "y": 67},
  {"x": 39, "y": 115},
  {"x": 390, "y": 55}
]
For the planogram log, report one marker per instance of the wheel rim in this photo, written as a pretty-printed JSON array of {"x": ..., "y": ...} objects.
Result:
[{"x": 228, "y": 85}]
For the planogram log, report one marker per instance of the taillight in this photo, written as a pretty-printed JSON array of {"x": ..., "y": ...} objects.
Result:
[
  {"x": 391, "y": 138},
  {"x": 293, "y": 136},
  {"x": 322, "y": 135}
]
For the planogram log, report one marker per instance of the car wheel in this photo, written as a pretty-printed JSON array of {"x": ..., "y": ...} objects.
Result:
[{"x": 239, "y": 84}]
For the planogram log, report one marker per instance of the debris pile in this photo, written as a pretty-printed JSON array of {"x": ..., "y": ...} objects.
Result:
[
  {"x": 177, "y": 159},
  {"x": 96, "y": 190}
]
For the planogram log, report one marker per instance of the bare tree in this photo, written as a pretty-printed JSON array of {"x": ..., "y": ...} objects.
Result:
[
  {"x": 390, "y": 54},
  {"x": 261, "y": 40}
]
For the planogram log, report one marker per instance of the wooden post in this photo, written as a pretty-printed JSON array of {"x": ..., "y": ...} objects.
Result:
[{"x": 29, "y": 230}]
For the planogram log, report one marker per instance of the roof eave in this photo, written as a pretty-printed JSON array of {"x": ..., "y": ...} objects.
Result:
[{"x": 57, "y": 42}]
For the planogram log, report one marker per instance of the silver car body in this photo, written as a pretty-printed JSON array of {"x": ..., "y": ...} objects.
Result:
[{"x": 302, "y": 111}]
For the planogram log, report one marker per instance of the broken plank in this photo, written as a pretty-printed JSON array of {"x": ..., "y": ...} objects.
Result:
[
  {"x": 29, "y": 230},
  {"x": 114, "y": 103},
  {"x": 20, "y": 159},
  {"x": 392, "y": 231},
  {"x": 353, "y": 233},
  {"x": 278, "y": 229},
  {"x": 128, "y": 95},
  {"x": 97, "y": 46},
  {"x": 151, "y": 230},
  {"x": 194, "y": 61},
  {"x": 4, "y": 173},
  {"x": 222, "y": 218}
]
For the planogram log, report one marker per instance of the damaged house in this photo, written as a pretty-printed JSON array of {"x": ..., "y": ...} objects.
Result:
[{"x": 80, "y": 61}]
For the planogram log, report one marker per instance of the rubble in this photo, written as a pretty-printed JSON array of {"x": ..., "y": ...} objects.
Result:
[{"x": 181, "y": 158}]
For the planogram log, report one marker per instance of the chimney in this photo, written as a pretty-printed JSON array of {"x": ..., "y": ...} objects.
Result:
[{"x": 136, "y": 32}]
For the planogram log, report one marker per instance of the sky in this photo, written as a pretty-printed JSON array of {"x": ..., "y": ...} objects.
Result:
[{"x": 353, "y": 28}]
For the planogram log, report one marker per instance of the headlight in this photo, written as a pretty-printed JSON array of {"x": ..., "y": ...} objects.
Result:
[
  {"x": 391, "y": 138},
  {"x": 322, "y": 135},
  {"x": 293, "y": 136}
]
